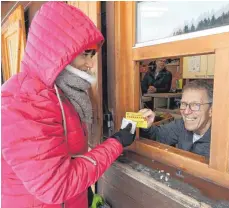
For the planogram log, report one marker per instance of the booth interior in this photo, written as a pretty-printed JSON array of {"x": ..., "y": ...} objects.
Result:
[{"x": 168, "y": 76}]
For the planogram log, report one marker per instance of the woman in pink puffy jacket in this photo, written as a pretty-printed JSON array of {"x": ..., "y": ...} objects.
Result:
[{"x": 45, "y": 108}]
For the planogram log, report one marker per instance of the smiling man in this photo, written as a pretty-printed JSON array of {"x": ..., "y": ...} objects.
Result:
[{"x": 192, "y": 132}]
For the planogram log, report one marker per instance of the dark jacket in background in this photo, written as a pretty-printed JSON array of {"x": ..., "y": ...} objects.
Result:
[
  {"x": 175, "y": 134},
  {"x": 162, "y": 82}
]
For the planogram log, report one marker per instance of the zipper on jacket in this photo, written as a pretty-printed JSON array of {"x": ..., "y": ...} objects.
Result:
[
  {"x": 83, "y": 126},
  {"x": 65, "y": 132}
]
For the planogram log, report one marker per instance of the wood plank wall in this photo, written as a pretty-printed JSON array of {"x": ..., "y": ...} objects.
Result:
[
  {"x": 93, "y": 9},
  {"x": 126, "y": 70}
]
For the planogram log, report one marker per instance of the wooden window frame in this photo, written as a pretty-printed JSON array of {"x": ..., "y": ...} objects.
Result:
[{"x": 127, "y": 93}]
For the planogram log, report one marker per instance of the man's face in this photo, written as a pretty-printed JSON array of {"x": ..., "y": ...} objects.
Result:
[
  {"x": 196, "y": 120},
  {"x": 84, "y": 62},
  {"x": 160, "y": 63}
]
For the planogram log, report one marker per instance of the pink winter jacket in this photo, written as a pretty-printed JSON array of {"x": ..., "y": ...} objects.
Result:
[{"x": 37, "y": 170}]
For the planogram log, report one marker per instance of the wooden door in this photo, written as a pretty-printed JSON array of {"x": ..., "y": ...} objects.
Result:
[
  {"x": 13, "y": 42},
  {"x": 175, "y": 69},
  {"x": 92, "y": 10}
]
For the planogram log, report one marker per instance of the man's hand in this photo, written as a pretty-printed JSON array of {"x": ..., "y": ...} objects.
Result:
[
  {"x": 151, "y": 89},
  {"x": 149, "y": 115},
  {"x": 124, "y": 136}
]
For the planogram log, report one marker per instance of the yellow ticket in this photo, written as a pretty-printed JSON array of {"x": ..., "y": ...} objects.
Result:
[{"x": 137, "y": 117}]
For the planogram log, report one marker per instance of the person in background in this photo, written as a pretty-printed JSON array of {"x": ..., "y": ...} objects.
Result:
[
  {"x": 45, "y": 109},
  {"x": 192, "y": 132},
  {"x": 157, "y": 79}
]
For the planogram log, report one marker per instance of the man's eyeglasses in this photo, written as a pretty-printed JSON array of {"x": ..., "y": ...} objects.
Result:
[{"x": 192, "y": 106}]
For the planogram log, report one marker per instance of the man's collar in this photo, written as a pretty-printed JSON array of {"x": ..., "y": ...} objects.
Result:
[{"x": 153, "y": 71}]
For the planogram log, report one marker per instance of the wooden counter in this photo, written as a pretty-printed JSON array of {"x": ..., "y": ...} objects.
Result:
[
  {"x": 164, "y": 95},
  {"x": 168, "y": 96},
  {"x": 136, "y": 182}
]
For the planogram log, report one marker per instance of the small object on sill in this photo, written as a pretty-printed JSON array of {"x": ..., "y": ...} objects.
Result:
[{"x": 179, "y": 174}]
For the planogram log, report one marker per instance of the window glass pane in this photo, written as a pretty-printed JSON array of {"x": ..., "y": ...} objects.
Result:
[{"x": 158, "y": 20}]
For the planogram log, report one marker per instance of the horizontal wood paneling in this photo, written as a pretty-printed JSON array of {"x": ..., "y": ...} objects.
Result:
[{"x": 123, "y": 187}]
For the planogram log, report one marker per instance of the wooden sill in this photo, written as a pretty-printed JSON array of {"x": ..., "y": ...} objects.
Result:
[
  {"x": 172, "y": 150},
  {"x": 188, "y": 162},
  {"x": 208, "y": 189}
]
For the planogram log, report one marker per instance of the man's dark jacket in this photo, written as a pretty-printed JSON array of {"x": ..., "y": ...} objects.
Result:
[
  {"x": 175, "y": 133},
  {"x": 162, "y": 82}
]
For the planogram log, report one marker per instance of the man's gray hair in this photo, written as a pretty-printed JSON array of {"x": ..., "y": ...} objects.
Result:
[{"x": 201, "y": 85}]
